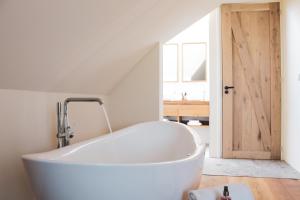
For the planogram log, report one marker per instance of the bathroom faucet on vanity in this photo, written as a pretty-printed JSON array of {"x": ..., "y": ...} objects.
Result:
[{"x": 64, "y": 131}]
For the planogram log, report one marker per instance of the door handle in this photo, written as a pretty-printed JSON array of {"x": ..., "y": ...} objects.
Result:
[{"x": 227, "y": 89}]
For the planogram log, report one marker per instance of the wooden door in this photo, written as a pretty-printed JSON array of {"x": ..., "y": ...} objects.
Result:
[{"x": 251, "y": 64}]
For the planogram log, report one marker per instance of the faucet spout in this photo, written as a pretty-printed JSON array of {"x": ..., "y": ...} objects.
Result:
[{"x": 83, "y": 99}]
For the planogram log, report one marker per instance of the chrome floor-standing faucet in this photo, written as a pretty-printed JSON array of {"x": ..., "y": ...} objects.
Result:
[{"x": 64, "y": 131}]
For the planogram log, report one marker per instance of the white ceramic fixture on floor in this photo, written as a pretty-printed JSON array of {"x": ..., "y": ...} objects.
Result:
[{"x": 149, "y": 161}]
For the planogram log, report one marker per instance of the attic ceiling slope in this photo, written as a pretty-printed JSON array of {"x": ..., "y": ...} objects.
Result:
[{"x": 84, "y": 46}]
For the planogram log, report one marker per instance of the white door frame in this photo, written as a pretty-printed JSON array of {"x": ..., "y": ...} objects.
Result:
[{"x": 215, "y": 85}]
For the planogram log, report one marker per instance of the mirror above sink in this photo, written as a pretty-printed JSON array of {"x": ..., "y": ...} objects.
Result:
[{"x": 194, "y": 62}]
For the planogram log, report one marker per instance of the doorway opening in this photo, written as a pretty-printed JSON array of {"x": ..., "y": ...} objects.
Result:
[{"x": 186, "y": 78}]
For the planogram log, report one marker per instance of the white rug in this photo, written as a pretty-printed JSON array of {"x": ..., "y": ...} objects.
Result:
[{"x": 252, "y": 168}]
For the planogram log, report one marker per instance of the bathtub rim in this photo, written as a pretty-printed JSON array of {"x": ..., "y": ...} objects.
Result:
[{"x": 38, "y": 157}]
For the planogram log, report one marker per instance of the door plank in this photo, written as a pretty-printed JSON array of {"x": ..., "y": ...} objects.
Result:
[
  {"x": 227, "y": 80},
  {"x": 275, "y": 80},
  {"x": 250, "y": 7},
  {"x": 258, "y": 155},
  {"x": 252, "y": 81}
]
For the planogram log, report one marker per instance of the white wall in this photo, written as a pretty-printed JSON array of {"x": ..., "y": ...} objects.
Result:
[
  {"x": 28, "y": 125},
  {"x": 137, "y": 97},
  {"x": 291, "y": 83}
]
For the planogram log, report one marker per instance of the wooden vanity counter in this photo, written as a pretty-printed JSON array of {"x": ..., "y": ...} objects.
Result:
[{"x": 187, "y": 108}]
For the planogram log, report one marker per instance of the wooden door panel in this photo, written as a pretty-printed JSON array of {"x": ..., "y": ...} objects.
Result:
[
  {"x": 253, "y": 86},
  {"x": 247, "y": 135},
  {"x": 251, "y": 55}
]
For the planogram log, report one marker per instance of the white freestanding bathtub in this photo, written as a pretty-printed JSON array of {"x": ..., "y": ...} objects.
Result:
[{"x": 147, "y": 161}]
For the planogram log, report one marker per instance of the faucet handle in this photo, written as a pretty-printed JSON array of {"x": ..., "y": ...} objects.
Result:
[
  {"x": 70, "y": 132},
  {"x": 71, "y": 135}
]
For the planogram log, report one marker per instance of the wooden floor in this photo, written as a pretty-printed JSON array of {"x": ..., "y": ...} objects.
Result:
[{"x": 262, "y": 188}]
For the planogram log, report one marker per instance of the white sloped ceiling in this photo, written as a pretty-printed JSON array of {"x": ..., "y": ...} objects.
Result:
[{"x": 84, "y": 46}]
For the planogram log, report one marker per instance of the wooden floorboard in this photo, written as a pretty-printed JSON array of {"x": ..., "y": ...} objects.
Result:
[{"x": 262, "y": 188}]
